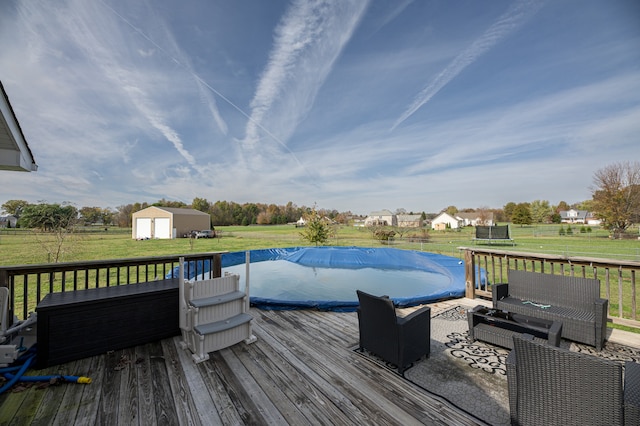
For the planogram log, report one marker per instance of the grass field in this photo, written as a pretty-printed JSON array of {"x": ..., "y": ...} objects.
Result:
[{"x": 19, "y": 247}]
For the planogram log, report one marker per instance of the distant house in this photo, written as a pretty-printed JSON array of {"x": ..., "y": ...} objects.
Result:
[
  {"x": 8, "y": 221},
  {"x": 578, "y": 216},
  {"x": 409, "y": 220},
  {"x": 167, "y": 222},
  {"x": 476, "y": 218},
  {"x": 301, "y": 222},
  {"x": 381, "y": 218},
  {"x": 444, "y": 220},
  {"x": 358, "y": 222},
  {"x": 592, "y": 219},
  {"x": 573, "y": 216}
]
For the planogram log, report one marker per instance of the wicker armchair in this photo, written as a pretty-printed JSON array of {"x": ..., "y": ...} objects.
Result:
[
  {"x": 549, "y": 385},
  {"x": 397, "y": 340}
]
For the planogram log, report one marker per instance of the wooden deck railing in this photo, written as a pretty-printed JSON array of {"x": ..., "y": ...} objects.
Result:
[
  {"x": 485, "y": 267},
  {"x": 29, "y": 284}
]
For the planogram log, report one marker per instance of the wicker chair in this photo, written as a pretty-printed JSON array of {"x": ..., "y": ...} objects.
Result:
[
  {"x": 549, "y": 385},
  {"x": 397, "y": 340}
]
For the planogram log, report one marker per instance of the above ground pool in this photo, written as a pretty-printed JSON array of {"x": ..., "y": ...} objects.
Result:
[{"x": 327, "y": 277}]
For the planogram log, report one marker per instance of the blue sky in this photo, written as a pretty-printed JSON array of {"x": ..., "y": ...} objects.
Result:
[{"x": 349, "y": 105}]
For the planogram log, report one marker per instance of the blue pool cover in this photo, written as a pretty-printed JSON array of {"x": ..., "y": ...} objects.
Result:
[{"x": 347, "y": 258}]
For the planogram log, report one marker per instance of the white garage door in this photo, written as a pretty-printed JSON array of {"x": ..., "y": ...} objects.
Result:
[
  {"x": 162, "y": 229},
  {"x": 143, "y": 227}
]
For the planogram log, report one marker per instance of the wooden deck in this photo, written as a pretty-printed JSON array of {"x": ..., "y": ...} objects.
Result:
[{"x": 301, "y": 370}]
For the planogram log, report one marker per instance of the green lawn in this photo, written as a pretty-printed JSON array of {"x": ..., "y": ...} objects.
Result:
[{"x": 24, "y": 247}]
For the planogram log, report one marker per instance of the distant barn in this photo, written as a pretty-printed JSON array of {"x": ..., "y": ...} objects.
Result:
[{"x": 167, "y": 222}]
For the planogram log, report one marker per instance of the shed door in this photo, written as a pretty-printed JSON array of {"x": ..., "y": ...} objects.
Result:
[
  {"x": 143, "y": 227},
  {"x": 162, "y": 228}
]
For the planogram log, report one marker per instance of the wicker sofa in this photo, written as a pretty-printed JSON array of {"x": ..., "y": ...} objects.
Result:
[
  {"x": 573, "y": 300},
  {"x": 549, "y": 385}
]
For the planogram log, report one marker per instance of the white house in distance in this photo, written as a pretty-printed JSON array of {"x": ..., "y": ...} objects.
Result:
[
  {"x": 167, "y": 222},
  {"x": 475, "y": 218},
  {"x": 8, "y": 221},
  {"x": 386, "y": 218},
  {"x": 578, "y": 216},
  {"x": 382, "y": 217},
  {"x": 444, "y": 220}
]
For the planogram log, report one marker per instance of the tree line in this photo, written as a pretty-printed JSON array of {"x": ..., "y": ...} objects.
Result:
[{"x": 46, "y": 216}]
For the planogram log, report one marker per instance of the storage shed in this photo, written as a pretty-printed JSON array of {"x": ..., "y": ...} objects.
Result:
[{"x": 167, "y": 222}]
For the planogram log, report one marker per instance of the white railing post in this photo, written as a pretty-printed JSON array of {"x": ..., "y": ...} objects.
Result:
[
  {"x": 252, "y": 338},
  {"x": 246, "y": 281}
]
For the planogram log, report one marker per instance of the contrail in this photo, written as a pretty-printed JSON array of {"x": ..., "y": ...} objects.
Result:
[
  {"x": 307, "y": 42},
  {"x": 201, "y": 81},
  {"x": 511, "y": 20}
]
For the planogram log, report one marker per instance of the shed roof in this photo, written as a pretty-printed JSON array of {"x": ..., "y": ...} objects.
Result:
[
  {"x": 177, "y": 210},
  {"x": 409, "y": 217},
  {"x": 383, "y": 212}
]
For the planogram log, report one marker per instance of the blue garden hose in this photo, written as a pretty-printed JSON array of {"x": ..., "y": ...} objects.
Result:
[
  {"x": 21, "y": 371},
  {"x": 26, "y": 360},
  {"x": 70, "y": 379}
]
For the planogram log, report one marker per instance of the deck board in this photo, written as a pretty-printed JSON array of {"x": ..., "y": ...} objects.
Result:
[
  {"x": 204, "y": 410},
  {"x": 73, "y": 397},
  {"x": 144, "y": 386},
  {"x": 128, "y": 389},
  {"x": 311, "y": 347},
  {"x": 164, "y": 399},
  {"x": 301, "y": 370},
  {"x": 221, "y": 399}
]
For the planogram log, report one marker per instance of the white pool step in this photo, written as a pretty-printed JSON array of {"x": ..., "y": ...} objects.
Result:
[{"x": 213, "y": 315}]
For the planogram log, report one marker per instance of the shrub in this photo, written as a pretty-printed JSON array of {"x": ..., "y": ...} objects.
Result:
[{"x": 382, "y": 234}]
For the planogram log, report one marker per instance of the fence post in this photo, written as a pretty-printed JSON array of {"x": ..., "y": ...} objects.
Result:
[
  {"x": 469, "y": 274},
  {"x": 4, "y": 278},
  {"x": 216, "y": 265}
]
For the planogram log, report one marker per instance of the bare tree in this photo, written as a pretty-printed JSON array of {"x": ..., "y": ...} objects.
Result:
[
  {"x": 401, "y": 230},
  {"x": 483, "y": 215},
  {"x": 124, "y": 215},
  {"x": 52, "y": 225},
  {"x": 616, "y": 196}
]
